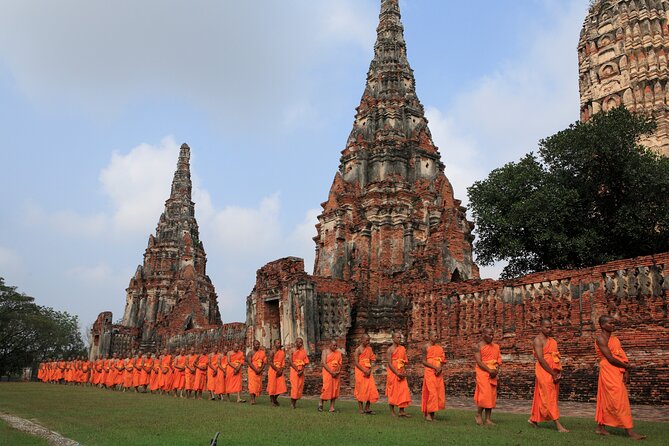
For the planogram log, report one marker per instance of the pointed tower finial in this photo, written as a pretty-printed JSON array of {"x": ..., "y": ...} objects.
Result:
[{"x": 181, "y": 184}]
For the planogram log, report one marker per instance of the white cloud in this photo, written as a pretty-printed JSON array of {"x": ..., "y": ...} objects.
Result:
[
  {"x": 300, "y": 243},
  {"x": 138, "y": 183}
]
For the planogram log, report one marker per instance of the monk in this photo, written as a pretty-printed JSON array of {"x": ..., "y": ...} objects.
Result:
[
  {"x": 128, "y": 373},
  {"x": 179, "y": 374},
  {"x": 331, "y": 361},
  {"x": 365, "y": 391},
  {"x": 434, "y": 392},
  {"x": 154, "y": 380},
  {"x": 212, "y": 371},
  {"x": 221, "y": 370},
  {"x": 548, "y": 373},
  {"x": 145, "y": 373},
  {"x": 397, "y": 388},
  {"x": 256, "y": 361},
  {"x": 110, "y": 381},
  {"x": 298, "y": 360},
  {"x": 165, "y": 379},
  {"x": 276, "y": 381},
  {"x": 233, "y": 375},
  {"x": 191, "y": 359},
  {"x": 137, "y": 371},
  {"x": 201, "y": 366},
  {"x": 119, "y": 366},
  {"x": 488, "y": 360},
  {"x": 613, "y": 406}
]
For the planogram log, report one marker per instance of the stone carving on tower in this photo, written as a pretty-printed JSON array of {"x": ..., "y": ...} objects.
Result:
[
  {"x": 391, "y": 217},
  {"x": 622, "y": 57},
  {"x": 171, "y": 292}
]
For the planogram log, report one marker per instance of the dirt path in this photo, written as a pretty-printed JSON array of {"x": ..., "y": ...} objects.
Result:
[{"x": 32, "y": 428}]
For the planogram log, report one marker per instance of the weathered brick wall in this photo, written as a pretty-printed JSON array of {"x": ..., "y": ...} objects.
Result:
[
  {"x": 211, "y": 340},
  {"x": 635, "y": 289}
]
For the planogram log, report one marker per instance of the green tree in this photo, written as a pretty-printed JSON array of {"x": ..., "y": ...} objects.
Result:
[
  {"x": 30, "y": 333},
  {"x": 592, "y": 195}
]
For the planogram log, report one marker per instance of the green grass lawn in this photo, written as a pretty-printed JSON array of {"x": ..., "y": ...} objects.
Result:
[{"x": 100, "y": 417}]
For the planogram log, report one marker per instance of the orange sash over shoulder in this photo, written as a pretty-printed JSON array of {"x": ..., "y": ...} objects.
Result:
[
  {"x": 331, "y": 385},
  {"x": 276, "y": 385},
  {"x": 365, "y": 387},
  {"x": 299, "y": 359},
  {"x": 545, "y": 402},
  {"x": 434, "y": 394},
  {"x": 397, "y": 390},
  {"x": 613, "y": 405},
  {"x": 233, "y": 383},
  {"x": 254, "y": 379},
  {"x": 485, "y": 394}
]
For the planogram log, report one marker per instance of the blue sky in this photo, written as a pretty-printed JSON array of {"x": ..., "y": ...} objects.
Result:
[{"x": 97, "y": 96}]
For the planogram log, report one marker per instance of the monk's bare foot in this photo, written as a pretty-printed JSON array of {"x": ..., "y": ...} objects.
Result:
[
  {"x": 490, "y": 423},
  {"x": 370, "y": 412},
  {"x": 332, "y": 410},
  {"x": 362, "y": 412},
  {"x": 601, "y": 431},
  {"x": 478, "y": 420},
  {"x": 429, "y": 417},
  {"x": 634, "y": 436},
  {"x": 404, "y": 415},
  {"x": 561, "y": 428},
  {"x": 320, "y": 408},
  {"x": 533, "y": 424}
]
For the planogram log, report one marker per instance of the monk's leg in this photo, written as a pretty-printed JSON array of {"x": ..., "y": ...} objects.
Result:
[
  {"x": 479, "y": 416},
  {"x": 392, "y": 410},
  {"x": 601, "y": 430},
  {"x": 368, "y": 409},
  {"x": 332, "y": 404},
  {"x": 634, "y": 436},
  {"x": 293, "y": 403},
  {"x": 360, "y": 407},
  {"x": 488, "y": 416},
  {"x": 403, "y": 414},
  {"x": 320, "y": 405}
]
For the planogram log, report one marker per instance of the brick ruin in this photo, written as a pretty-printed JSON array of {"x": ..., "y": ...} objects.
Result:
[
  {"x": 170, "y": 294},
  {"x": 394, "y": 253},
  {"x": 622, "y": 56}
]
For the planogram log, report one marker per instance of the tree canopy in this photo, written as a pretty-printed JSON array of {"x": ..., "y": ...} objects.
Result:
[
  {"x": 590, "y": 196},
  {"x": 30, "y": 333}
]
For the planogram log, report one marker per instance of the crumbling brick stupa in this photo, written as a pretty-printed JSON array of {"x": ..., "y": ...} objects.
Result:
[
  {"x": 170, "y": 293},
  {"x": 622, "y": 56}
]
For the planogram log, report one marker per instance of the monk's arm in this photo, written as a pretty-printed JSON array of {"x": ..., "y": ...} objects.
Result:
[
  {"x": 479, "y": 362},
  {"x": 271, "y": 362},
  {"x": 356, "y": 355},
  {"x": 325, "y": 364},
  {"x": 249, "y": 362},
  {"x": 389, "y": 359},
  {"x": 604, "y": 348},
  {"x": 539, "y": 344},
  {"x": 427, "y": 364}
]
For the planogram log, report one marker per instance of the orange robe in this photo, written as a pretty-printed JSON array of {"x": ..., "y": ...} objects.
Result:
[
  {"x": 545, "y": 402},
  {"x": 98, "y": 372},
  {"x": 299, "y": 359},
  {"x": 365, "y": 387},
  {"x": 255, "y": 380},
  {"x": 154, "y": 380},
  {"x": 137, "y": 372},
  {"x": 179, "y": 376},
  {"x": 190, "y": 371},
  {"x": 40, "y": 372},
  {"x": 120, "y": 371},
  {"x": 111, "y": 373},
  {"x": 200, "y": 375},
  {"x": 397, "y": 390},
  {"x": 128, "y": 373},
  {"x": 434, "y": 393},
  {"x": 613, "y": 405},
  {"x": 221, "y": 370},
  {"x": 276, "y": 385},
  {"x": 212, "y": 372},
  {"x": 165, "y": 377},
  {"x": 485, "y": 394},
  {"x": 331, "y": 385},
  {"x": 145, "y": 373},
  {"x": 233, "y": 383}
]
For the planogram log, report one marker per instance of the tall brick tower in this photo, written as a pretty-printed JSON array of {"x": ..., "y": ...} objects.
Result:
[
  {"x": 171, "y": 292},
  {"x": 390, "y": 219},
  {"x": 622, "y": 56}
]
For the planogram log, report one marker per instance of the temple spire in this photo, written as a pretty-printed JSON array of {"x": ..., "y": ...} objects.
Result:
[
  {"x": 179, "y": 215},
  {"x": 181, "y": 184}
]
